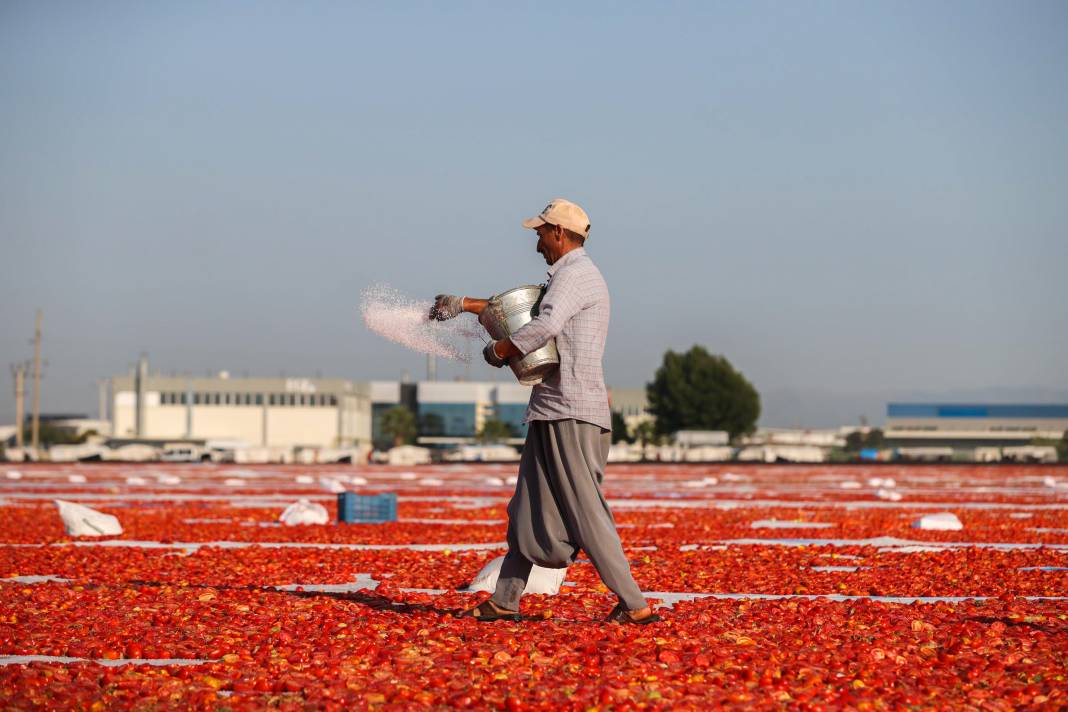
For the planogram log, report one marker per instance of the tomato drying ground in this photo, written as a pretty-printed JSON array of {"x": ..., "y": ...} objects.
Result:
[{"x": 255, "y": 615}]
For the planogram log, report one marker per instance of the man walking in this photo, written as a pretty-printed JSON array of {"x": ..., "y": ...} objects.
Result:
[{"x": 558, "y": 506}]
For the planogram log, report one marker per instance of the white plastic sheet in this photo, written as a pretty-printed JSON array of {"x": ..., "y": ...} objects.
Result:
[
  {"x": 541, "y": 580},
  {"x": 941, "y": 522},
  {"x": 304, "y": 512},
  {"x": 80, "y": 520}
]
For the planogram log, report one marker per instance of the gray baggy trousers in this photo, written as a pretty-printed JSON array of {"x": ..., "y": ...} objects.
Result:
[{"x": 558, "y": 508}]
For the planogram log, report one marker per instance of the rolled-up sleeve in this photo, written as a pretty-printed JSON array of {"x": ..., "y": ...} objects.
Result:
[{"x": 560, "y": 303}]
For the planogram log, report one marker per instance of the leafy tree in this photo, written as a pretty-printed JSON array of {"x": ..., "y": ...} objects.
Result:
[
  {"x": 51, "y": 435},
  {"x": 1062, "y": 448},
  {"x": 697, "y": 390},
  {"x": 400, "y": 425},
  {"x": 494, "y": 431},
  {"x": 619, "y": 428},
  {"x": 645, "y": 433},
  {"x": 431, "y": 424},
  {"x": 857, "y": 440}
]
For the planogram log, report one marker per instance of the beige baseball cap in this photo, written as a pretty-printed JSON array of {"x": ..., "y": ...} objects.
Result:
[{"x": 563, "y": 213}]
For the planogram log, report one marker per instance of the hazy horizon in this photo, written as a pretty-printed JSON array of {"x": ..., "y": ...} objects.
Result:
[{"x": 850, "y": 202}]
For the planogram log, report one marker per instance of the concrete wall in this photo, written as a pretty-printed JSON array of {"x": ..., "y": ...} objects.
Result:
[
  {"x": 222, "y": 422},
  {"x": 165, "y": 421},
  {"x": 287, "y": 427}
]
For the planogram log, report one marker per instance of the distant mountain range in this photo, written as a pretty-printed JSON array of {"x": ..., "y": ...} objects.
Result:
[{"x": 815, "y": 408}]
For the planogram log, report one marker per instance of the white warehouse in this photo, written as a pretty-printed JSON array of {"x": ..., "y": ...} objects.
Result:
[{"x": 263, "y": 412}]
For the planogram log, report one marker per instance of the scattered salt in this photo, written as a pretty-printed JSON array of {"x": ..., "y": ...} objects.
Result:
[{"x": 406, "y": 321}]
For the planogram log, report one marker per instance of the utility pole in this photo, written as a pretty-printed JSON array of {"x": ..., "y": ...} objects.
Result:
[
  {"x": 20, "y": 402},
  {"x": 36, "y": 431},
  {"x": 102, "y": 399}
]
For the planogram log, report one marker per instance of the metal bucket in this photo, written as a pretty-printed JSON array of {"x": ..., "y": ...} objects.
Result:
[{"x": 504, "y": 315}]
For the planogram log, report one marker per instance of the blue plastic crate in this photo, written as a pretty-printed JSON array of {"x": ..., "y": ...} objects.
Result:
[{"x": 374, "y": 508}]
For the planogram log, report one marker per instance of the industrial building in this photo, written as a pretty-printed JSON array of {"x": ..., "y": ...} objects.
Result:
[
  {"x": 256, "y": 412},
  {"x": 451, "y": 412},
  {"x": 963, "y": 428},
  {"x": 632, "y": 404}
]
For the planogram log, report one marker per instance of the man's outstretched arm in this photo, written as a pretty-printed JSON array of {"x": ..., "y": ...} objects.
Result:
[{"x": 450, "y": 306}]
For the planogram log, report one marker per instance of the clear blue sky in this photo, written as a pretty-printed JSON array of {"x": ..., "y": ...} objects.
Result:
[{"x": 843, "y": 198}]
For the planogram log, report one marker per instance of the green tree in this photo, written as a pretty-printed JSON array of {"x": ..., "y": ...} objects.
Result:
[
  {"x": 1062, "y": 448},
  {"x": 857, "y": 440},
  {"x": 494, "y": 431},
  {"x": 854, "y": 441},
  {"x": 619, "y": 428},
  {"x": 645, "y": 433},
  {"x": 697, "y": 390},
  {"x": 51, "y": 435},
  {"x": 399, "y": 424},
  {"x": 431, "y": 424}
]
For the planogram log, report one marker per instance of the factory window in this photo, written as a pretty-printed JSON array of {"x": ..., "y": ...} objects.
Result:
[
  {"x": 182, "y": 398},
  {"x": 259, "y": 399},
  {"x": 333, "y": 400}
]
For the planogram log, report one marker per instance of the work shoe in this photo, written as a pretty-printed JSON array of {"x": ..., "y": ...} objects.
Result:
[
  {"x": 490, "y": 611},
  {"x": 643, "y": 616}
]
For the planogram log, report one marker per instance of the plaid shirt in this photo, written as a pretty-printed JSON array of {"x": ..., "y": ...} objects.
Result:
[{"x": 575, "y": 310}]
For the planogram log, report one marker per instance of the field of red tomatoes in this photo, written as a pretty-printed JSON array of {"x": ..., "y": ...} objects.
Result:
[{"x": 800, "y": 587}]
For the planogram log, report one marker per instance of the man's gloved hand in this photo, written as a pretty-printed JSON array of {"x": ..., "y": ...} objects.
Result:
[
  {"x": 490, "y": 354},
  {"x": 446, "y": 306}
]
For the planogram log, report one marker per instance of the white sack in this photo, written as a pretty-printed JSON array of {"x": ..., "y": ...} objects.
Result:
[
  {"x": 941, "y": 522},
  {"x": 76, "y": 479},
  {"x": 331, "y": 485},
  {"x": 541, "y": 580},
  {"x": 305, "y": 480},
  {"x": 304, "y": 512},
  {"x": 889, "y": 495},
  {"x": 14, "y": 475},
  {"x": 79, "y": 520}
]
